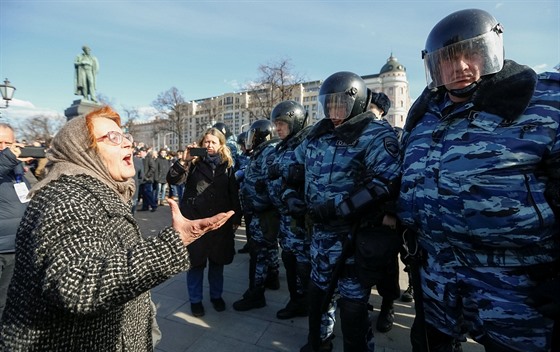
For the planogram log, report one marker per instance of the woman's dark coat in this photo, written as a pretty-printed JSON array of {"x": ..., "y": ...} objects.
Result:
[{"x": 209, "y": 191}]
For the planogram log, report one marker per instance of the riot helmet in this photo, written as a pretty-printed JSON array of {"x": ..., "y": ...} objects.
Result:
[
  {"x": 259, "y": 132},
  {"x": 471, "y": 34},
  {"x": 222, "y": 127},
  {"x": 290, "y": 112},
  {"x": 242, "y": 138},
  {"x": 342, "y": 96}
]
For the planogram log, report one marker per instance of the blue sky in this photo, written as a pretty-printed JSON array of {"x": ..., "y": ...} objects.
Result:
[{"x": 207, "y": 48}]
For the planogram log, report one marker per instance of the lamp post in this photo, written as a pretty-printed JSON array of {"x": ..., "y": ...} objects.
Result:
[{"x": 7, "y": 91}]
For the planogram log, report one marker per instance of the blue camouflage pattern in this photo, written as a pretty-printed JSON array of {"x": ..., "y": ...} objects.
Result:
[
  {"x": 259, "y": 202},
  {"x": 231, "y": 143},
  {"x": 474, "y": 183},
  {"x": 335, "y": 168},
  {"x": 472, "y": 187},
  {"x": 480, "y": 300},
  {"x": 293, "y": 235}
]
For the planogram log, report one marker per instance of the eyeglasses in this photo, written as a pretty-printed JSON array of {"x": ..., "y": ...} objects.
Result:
[{"x": 116, "y": 137}]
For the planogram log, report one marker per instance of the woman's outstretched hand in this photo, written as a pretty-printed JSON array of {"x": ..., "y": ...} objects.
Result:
[{"x": 191, "y": 230}]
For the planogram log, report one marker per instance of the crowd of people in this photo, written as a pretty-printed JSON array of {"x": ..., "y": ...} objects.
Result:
[{"x": 466, "y": 195}]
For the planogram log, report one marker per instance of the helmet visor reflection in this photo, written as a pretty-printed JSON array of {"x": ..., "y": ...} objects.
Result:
[
  {"x": 337, "y": 106},
  {"x": 250, "y": 141},
  {"x": 485, "y": 53}
]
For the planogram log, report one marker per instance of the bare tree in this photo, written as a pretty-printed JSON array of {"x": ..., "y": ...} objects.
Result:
[
  {"x": 211, "y": 112},
  {"x": 41, "y": 128},
  {"x": 131, "y": 117},
  {"x": 171, "y": 104},
  {"x": 105, "y": 100},
  {"x": 276, "y": 83}
]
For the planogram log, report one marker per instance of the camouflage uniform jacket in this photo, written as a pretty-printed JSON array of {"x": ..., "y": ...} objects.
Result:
[
  {"x": 339, "y": 161},
  {"x": 254, "y": 194},
  {"x": 474, "y": 177}
]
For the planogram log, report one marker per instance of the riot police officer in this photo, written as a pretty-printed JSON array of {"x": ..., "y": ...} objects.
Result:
[
  {"x": 350, "y": 163},
  {"x": 480, "y": 180},
  {"x": 240, "y": 165},
  {"x": 289, "y": 118},
  {"x": 263, "y": 244}
]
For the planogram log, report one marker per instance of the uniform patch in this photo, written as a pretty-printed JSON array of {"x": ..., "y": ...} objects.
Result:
[
  {"x": 270, "y": 160},
  {"x": 391, "y": 146}
]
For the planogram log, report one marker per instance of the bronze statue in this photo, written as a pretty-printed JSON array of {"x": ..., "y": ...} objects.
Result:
[{"x": 86, "y": 67}]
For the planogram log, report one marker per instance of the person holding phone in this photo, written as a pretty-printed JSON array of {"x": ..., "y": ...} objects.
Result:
[{"x": 210, "y": 188}]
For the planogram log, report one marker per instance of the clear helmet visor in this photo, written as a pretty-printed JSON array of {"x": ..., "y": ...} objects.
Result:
[
  {"x": 337, "y": 107},
  {"x": 250, "y": 141},
  {"x": 255, "y": 137},
  {"x": 483, "y": 55}
]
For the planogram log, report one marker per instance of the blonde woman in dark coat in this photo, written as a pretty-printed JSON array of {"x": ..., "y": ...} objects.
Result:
[
  {"x": 210, "y": 188},
  {"x": 83, "y": 271}
]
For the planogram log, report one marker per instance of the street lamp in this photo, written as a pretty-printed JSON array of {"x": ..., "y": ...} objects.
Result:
[{"x": 7, "y": 91}]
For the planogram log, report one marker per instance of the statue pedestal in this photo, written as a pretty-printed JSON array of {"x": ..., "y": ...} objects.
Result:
[{"x": 80, "y": 107}]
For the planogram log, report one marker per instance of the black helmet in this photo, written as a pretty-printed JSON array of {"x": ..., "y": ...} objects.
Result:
[
  {"x": 222, "y": 127},
  {"x": 259, "y": 132},
  {"x": 290, "y": 112},
  {"x": 242, "y": 138},
  {"x": 469, "y": 32},
  {"x": 344, "y": 91}
]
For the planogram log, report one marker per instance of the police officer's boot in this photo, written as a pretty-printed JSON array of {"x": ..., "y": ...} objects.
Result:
[
  {"x": 252, "y": 298},
  {"x": 314, "y": 342},
  {"x": 297, "y": 306},
  {"x": 386, "y": 316},
  {"x": 354, "y": 324}
]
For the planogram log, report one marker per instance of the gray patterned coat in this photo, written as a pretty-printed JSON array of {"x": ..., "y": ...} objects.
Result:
[{"x": 83, "y": 272}]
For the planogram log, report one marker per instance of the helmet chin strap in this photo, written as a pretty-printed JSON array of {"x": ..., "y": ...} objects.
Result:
[{"x": 465, "y": 92}]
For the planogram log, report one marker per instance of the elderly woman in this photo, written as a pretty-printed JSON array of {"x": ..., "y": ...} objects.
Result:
[
  {"x": 210, "y": 188},
  {"x": 83, "y": 271}
]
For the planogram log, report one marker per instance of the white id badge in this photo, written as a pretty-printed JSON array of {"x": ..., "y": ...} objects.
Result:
[{"x": 21, "y": 191}]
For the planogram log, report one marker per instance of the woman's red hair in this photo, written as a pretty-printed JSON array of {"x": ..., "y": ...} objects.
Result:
[{"x": 106, "y": 112}]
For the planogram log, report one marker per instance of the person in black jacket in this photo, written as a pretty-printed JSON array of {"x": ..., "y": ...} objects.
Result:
[
  {"x": 210, "y": 188},
  {"x": 160, "y": 182},
  {"x": 12, "y": 205},
  {"x": 138, "y": 176},
  {"x": 149, "y": 200}
]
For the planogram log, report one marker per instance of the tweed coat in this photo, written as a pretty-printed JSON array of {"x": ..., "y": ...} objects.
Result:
[{"x": 83, "y": 272}]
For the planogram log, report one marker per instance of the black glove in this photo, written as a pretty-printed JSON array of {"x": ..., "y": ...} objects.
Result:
[
  {"x": 274, "y": 171},
  {"x": 260, "y": 186},
  {"x": 546, "y": 298},
  {"x": 295, "y": 206},
  {"x": 323, "y": 212}
]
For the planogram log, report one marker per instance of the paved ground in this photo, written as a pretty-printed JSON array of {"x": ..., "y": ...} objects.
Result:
[{"x": 256, "y": 330}]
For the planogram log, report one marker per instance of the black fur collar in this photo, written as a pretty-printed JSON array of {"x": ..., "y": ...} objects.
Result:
[{"x": 506, "y": 93}]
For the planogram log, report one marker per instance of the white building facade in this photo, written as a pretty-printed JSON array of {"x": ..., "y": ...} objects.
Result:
[{"x": 234, "y": 109}]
